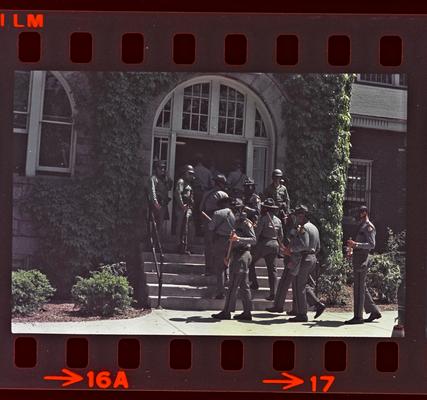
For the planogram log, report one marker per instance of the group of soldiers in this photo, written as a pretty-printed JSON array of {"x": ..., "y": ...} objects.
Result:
[{"x": 240, "y": 227}]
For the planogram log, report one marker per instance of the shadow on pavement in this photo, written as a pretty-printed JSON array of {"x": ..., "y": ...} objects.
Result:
[
  {"x": 196, "y": 318},
  {"x": 326, "y": 324},
  {"x": 268, "y": 315}
]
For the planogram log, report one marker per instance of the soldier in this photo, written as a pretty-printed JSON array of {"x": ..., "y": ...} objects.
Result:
[
  {"x": 235, "y": 180},
  {"x": 220, "y": 226},
  {"x": 208, "y": 205},
  {"x": 288, "y": 278},
  {"x": 240, "y": 258},
  {"x": 201, "y": 183},
  {"x": 251, "y": 200},
  {"x": 304, "y": 246},
  {"x": 184, "y": 202},
  {"x": 278, "y": 192},
  {"x": 364, "y": 243},
  {"x": 269, "y": 233},
  {"x": 158, "y": 189}
]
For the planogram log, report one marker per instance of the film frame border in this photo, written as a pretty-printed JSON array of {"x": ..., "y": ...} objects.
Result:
[{"x": 159, "y": 28}]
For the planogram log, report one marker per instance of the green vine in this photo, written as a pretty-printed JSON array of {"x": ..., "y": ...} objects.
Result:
[
  {"x": 318, "y": 154},
  {"x": 98, "y": 218}
]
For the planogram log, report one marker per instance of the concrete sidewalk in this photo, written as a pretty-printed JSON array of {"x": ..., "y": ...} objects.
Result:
[{"x": 173, "y": 322}]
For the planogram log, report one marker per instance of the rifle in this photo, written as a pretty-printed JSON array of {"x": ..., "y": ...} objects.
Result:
[
  {"x": 186, "y": 222},
  {"x": 152, "y": 228},
  {"x": 227, "y": 258},
  {"x": 206, "y": 216}
]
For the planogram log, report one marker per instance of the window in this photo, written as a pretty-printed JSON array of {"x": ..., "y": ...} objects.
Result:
[
  {"x": 358, "y": 190},
  {"x": 260, "y": 167},
  {"x": 43, "y": 124},
  {"x": 231, "y": 111},
  {"x": 164, "y": 118},
  {"x": 384, "y": 79},
  {"x": 260, "y": 130},
  {"x": 196, "y": 107}
]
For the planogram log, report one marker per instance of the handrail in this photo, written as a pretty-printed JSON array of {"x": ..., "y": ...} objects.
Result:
[{"x": 153, "y": 234}]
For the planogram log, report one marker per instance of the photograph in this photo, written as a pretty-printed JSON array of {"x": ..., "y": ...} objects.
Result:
[{"x": 209, "y": 204}]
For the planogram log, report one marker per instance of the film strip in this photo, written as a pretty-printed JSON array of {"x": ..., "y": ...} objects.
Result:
[{"x": 224, "y": 46}]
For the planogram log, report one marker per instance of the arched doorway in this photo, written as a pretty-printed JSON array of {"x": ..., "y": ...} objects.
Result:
[{"x": 219, "y": 118}]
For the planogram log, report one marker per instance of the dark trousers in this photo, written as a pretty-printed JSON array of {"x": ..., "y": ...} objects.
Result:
[
  {"x": 269, "y": 251},
  {"x": 361, "y": 297},
  {"x": 219, "y": 250},
  {"x": 208, "y": 242},
  {"x": 183, "y": 232},
  {"x": 312, "y": 299},
  {"x": 306, "y": 267},
  {"x": 239, "y": 283},
  {"x": 286, "y": 280}
]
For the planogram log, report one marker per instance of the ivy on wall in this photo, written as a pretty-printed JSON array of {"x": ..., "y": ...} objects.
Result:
[
  {"x": 317, "y": 118},
  {"x": 99, "y": 218}
]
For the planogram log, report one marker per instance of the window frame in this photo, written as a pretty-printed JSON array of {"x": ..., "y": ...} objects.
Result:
[{"x": 35, "y": 121}]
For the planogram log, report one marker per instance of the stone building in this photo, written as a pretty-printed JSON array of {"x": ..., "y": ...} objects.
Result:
[{"x": 222, "y": 116}]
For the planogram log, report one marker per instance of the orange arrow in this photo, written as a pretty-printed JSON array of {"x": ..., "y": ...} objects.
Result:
[
  {"x": 69, "y": 380},
  {"x": 291, "y": 381}
]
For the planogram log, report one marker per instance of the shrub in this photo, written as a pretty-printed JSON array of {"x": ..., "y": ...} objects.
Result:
[
  {"x": 384, "y": 274},
  {"x": 331, "y": 281},
  {"x": 30, "y": 291},
  {"x": 106, "y": 292}
]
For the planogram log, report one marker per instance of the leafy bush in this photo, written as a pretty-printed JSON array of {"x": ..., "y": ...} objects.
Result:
[
  {"x": 332, "y": 280},
  {"x": 384, "y": 274},
  {"x": 106, "y": 292},
  {"x": 30, "y": 291}
]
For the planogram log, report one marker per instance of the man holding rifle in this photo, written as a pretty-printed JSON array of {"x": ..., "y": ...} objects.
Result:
[
  {"x": 220, "y": 227},
  {"x": 184, "y": 202},
  {"x": 278, "y": 192},
  {"x": 238, "y": 259},
  {"x": 269, "y": 233}
]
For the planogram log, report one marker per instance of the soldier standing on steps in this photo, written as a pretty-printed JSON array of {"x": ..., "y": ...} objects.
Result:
[
  {"x": 240, "y": 259},
  {"x": 184, "y": 202},
  {"x": 278, "y": 192},
  {"x": 220, "y": 226},
  {"x": 269, "y": 233},
  {"x": 158, "y": 189},
  {"x": 209, "y": 204},
  {"x": 251, "y": 200}
]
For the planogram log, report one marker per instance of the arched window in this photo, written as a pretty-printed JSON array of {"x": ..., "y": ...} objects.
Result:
[
  {"x": 215, "y": 108},
  {"x": 43, "y": 124}
]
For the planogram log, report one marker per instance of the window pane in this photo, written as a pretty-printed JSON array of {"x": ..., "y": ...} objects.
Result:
[
  {"x": 21, "y": 91},
  {"x": 194, "y": 123},
  {"x": 260, "y": 159},
  {"x": 196, "y": 89},
  {"x": 55, "y": 143},
  {"x": 166, "y": 119},
  {"x": 20, "y": 121},
  {"x": 239, "y": 127},
  {"x": 205, "y": 105},
  {"x": 204, "y": 123},
  {"x": 221, "y": 125},
  {"x": 205, "y": 90},
  {"x": 231, "y": 94},
  {"x": 230, "y": 110},
  {"x": 195, "y": 106},
  {"x": 222, "y": 107},
  {"x": 239, "y": 111},
  {"x": 56, "y": 106},
  {"x": 186, "y": 121},
  {"x": 230, "y": 126},
  {"x": 187, "y": 104},
  {"x": 20, "y": 152},
  {"x": 223, "y": 92}
]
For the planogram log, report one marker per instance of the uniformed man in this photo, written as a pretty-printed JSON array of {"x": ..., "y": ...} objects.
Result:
[
  {"x": 158, "y": 189},
  {"x": 303, "y": 246},
  {"x": 362, "y": 245},
  {"x": 291, "y": 270},
  {"x": 235, "y": 180},
  {"x": 251, "y": 200},
  {"x": 202, "y": 182},
  {"x": 184, "y": 201},
  {"x": 221, "y": 226},
  {"x": 240, "y": 259},
  {"x": 208, "y": 205},
  {"x": 269, "y": 234},
  {"x": 278, "y": 192}
]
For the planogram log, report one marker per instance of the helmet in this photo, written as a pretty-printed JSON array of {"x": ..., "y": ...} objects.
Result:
[
  {"x": 220, "y": 195},
  {"x": 249, "y": 182},
  {"x": 188, "y": 168},
  {"x": 301, "y": 209},
  {"x": 220, "y": 178},
  {"x": 277, "y": 173},
  {"x": 269, "y": 203}
]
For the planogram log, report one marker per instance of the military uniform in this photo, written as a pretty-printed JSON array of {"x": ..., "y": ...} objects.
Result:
[
  {"x": 158, "y": 193},
  {"x": 268, "y": 230},
  {"x": 220, "y": 227},
  {"x": 280, "y": 196},
  {"x": 235, "y": 181},
  {"x": 306, "y": 244},
  {"x": 252, "y": 207},
  {"x": 209, "y": 205},
  {"x": 239, "y": 264},
  {"x": 183, "y": 210},
  {"x": 365, "y": 241}
]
